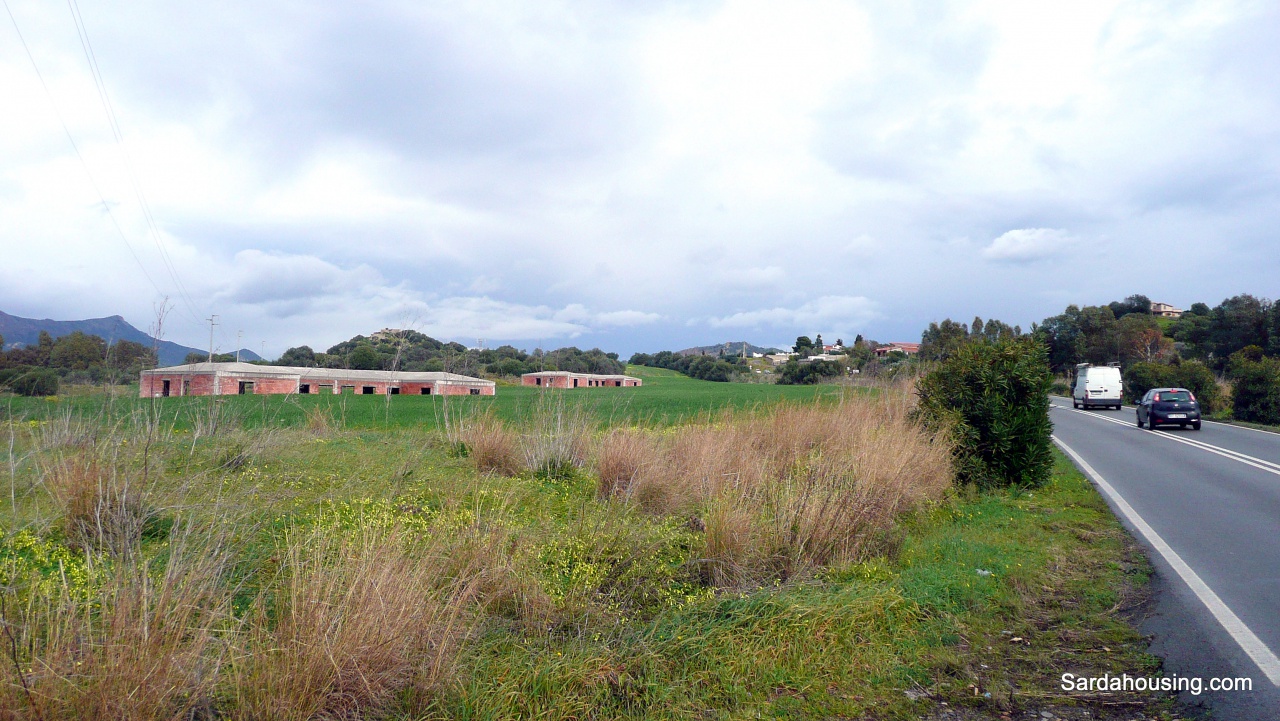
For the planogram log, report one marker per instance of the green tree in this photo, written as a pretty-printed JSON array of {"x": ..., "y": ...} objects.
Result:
[
  {"x": 1139, "y": 304},
  {"x": 130, "y": 356},
  {"x": 77, "y": 351},
  {"x": 803, "y": 346},
  {"x": 1255, "y": 381},
  {"x": 301, "y": 356},
  {"x": 1098, "y": 329},
  {"x": 44, "y": 346},
  {"x": 364, "y": 357},
  {"x": 1140, "y": 339},
  {"x": 198, "y": 357},
  {"x": 1238, "y": 322},
  {"x": 940, "y": 340}
]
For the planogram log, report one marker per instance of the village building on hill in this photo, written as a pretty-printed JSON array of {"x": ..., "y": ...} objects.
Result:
[
  {"x": 907, "y": 348},
  {"x": 222, "y": 379}
]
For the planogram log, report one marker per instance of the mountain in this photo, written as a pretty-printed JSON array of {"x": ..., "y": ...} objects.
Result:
[
  {"x": 19, "y": 332},
  {"x": 730, "y": 348}
]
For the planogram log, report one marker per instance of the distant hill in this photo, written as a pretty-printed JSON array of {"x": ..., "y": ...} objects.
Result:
[
  {"x": 20, "y": 332},
  {"x": 731, "y": 348}
]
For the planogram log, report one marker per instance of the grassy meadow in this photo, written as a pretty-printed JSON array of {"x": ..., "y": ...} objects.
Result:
[
  {"x": 682, "y": 550},
  {"x": 666, "y": 398}
]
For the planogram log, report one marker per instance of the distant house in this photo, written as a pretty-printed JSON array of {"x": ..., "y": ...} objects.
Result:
[
  {"x": 1164, "y": 310},
  {"x": 222, "y": 379},
  {"x": 823, "y": 357},
  {"x": 907, "y": 348},
  {"x": 565, "y": 379},
  {"x": 778, "y": 358}
]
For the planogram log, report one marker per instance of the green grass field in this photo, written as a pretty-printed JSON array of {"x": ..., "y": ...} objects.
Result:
[{"x": 665, "y": 398}]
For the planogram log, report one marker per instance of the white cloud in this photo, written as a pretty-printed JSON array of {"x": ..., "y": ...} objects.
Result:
[
  {"x": 627, "y": 318},
  {"x": 1026, "y": 245},
  {"x": 830, "y": 313},
  {"x": 319, "y": 174}
]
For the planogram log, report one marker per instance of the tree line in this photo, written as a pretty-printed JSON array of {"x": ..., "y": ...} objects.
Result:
[
  {"x": 77, "y": 357},
  {"x": 409, "y": 350}
]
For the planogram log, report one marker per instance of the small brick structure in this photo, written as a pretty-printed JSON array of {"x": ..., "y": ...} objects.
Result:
[
  {"x": 565, "y": 379},
  {"x": 229, "y": 379}
]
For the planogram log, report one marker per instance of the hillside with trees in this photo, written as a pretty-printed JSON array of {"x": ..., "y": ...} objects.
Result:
[
  {"x": 73, "y": 358},
  {"x": 409, "y": 350}
]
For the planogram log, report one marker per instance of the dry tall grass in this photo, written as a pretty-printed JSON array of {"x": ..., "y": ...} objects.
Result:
[
  {"x": 557, "y": 434},
  {"x": 141, "y": 646},
  {"x": 554, "y": 437},
  {"x": 354, "y": 623},
  {"x": 492, "y": 446},
  {"x": 786, "y": 491},
  {"x": 99, "y": 500}
]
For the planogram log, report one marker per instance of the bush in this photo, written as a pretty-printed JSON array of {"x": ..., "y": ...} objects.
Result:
[
  {"x": 1192, "y": 375},
  {"x": 31, "y": 381},
  {"x": 994, "y": 398},
  {"x": 1256, "y": 388},
  {"x": 803, "y": 374}
]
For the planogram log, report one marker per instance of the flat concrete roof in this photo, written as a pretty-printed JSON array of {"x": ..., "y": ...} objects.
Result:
[
  {"x": 319, "y": 374},
  {"x": 570, "y": 374}
]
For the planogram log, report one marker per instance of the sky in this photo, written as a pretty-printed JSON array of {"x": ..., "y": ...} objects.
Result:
[{"x": 630, "y": 176}]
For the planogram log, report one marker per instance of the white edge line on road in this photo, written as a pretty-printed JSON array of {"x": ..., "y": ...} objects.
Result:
[
  {"x": 1248, "y": 640},
  {"x": 1248, "y": 460}
]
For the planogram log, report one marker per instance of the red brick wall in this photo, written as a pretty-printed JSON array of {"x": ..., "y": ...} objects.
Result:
[{"x": 203, "y": 385}]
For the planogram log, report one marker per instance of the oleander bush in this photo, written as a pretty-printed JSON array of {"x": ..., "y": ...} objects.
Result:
[{"x": 993, "y": 399}]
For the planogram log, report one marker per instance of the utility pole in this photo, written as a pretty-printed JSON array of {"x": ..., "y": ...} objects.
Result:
[
  {"x": 263, "y": 354},
  {"x": 239, "y": 335},
  {"x": 213, "y": 320}
]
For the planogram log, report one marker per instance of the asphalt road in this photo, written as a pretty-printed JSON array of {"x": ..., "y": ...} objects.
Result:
[{"x": 1206, "y": 504}]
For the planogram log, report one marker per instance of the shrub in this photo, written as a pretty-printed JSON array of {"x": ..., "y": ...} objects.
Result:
[
  {"x": 795, "y": 373},
  {"x": 1192, "y": 375},
  {"x": 1255, "y": 388},
  {"x": 31, "y": 381},
  {"x": 994, "y": 399}
]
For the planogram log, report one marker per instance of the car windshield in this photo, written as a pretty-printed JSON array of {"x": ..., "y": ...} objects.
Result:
[{"x": 1173, "y": 396}]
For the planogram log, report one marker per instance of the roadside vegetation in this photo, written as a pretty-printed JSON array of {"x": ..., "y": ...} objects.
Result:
[
  {"x": 1227, "y": 355},
  {"x": 718, "y": 550}
]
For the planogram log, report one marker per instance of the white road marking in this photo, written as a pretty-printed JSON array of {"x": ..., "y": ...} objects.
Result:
[
  {"x": 1260, "y": 464},
  {"x": 1249, "y": 642}
]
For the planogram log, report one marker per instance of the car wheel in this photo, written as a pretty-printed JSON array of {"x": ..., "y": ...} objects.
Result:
[
  {"x": 1195, "y": 426},
  {"x": 1139, "y": 417},
  {"x": 1075, "y": 403}
]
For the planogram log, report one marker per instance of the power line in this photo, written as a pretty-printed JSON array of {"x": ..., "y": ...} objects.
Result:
[
  {"x": 91, "y": 57},
  {"x": 76, "y": 148}
]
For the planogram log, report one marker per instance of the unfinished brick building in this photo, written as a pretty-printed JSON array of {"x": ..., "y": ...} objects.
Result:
[
  {"x": 223, "y": 379},
  {"x": 565, "y": 379}
]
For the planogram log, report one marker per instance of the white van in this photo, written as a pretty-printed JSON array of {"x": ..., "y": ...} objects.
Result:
[{"x": 1097, "y": 386}]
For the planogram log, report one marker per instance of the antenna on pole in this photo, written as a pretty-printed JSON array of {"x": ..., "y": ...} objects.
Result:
[
  {"x": 213, "y": 320},
  {"x": 239, "y": 335}
]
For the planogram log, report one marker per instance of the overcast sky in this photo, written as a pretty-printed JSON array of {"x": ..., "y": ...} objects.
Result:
[{"x": 633, "y": 176}]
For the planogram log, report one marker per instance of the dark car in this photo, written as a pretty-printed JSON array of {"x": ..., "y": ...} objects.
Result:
[{"x": 1162, "y": 407}]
